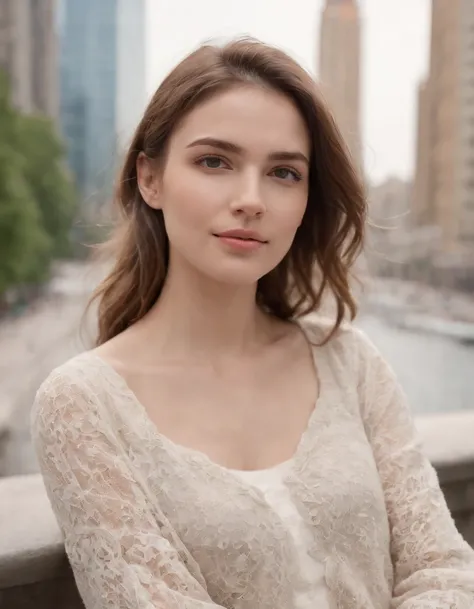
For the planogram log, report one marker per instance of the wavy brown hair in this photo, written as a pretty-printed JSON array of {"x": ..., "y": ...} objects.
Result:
[{"x": 325, "y": 245}]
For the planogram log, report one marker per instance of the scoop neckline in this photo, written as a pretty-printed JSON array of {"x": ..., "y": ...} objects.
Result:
[
  {"x": 195, "y": 454},
  {"x": 283, "y": 466}
]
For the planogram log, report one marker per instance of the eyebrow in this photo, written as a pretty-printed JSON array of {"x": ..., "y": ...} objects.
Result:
[{"x": 281, "y": 155}]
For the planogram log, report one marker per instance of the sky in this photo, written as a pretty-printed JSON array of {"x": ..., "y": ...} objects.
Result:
[{"x": 395, "y": 57}]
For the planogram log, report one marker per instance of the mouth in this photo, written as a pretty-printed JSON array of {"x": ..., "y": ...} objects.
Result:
[
  {"x": 243, "y": 243},
  {"x": 241, "y": 235},
  {"x": 240, "y": 238}
]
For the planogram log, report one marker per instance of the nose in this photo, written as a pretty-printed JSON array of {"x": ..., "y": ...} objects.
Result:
[{"x": 249, "y": 200}]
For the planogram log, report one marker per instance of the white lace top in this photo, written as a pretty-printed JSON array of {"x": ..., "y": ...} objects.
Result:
[
  {"x": 150, "y": 525},
  {"x": 310, "y": 591}
]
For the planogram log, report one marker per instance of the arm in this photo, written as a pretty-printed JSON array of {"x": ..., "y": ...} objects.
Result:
[
  {"x": 433, "y": 565},
  {"x": 121, "y": 549}
]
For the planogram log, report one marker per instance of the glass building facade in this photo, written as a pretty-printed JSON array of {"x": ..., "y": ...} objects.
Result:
[{"x": 88, "y": 85}]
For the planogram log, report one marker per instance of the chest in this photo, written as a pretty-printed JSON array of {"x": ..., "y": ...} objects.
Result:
[
  {"x": 236, "y": 536},
  {"x": 333, "y": 483},
  {"x": 244, "y": 418}
]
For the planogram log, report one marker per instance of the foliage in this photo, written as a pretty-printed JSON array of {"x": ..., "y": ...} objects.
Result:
[{"x": 37, "y": 199}]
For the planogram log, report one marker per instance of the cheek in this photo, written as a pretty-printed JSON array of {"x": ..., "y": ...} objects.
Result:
[
  {"x": 184, "y": 200},
  {"x": 291, "y": 215}
]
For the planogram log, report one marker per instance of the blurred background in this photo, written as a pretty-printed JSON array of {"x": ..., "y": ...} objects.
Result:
[{"x": 399, "y": 76}]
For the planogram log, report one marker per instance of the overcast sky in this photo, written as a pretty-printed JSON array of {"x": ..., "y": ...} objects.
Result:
[{"x": 395, "y": 57}]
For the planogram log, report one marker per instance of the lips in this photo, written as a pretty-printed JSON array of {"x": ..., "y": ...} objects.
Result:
[
  {"x": 240, "y": 238},
  {"x": 242, "y": 234}
]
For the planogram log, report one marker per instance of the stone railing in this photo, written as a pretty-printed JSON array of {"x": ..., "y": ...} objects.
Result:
[
  {"x": 449, "y": 443},
  {"x": 34, "y": 572}
]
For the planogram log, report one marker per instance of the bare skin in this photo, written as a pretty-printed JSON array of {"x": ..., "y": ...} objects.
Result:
[
  {"x": 213, "y": 372},
  {"x": 243, "y": 411}
]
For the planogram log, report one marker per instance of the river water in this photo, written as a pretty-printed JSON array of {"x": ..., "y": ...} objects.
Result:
[{"x": 436, "y": 373}]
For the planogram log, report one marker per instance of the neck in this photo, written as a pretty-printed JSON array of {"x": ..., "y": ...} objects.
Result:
[{"x": 198, "y": 316}]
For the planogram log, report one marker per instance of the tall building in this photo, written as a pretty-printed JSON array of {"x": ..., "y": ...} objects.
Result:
[
  {"x": 339, "y": 69},
  {"x": 29, "y": 54},
  {"x": 44, "y": 57},
  {"x": 88, "y": 91},
  {"x": 102, "y": 69},
  {"x": 422, "y": 211},
  {"x": 15, "y": 51},
  {"x": 444, "y": 184}
]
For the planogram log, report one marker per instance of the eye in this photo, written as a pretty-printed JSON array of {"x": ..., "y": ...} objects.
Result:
[
  {"x": 211, "y": 162},
  {"x": 285, "y": 173}
]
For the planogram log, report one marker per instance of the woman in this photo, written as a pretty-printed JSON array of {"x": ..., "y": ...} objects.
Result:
[{"x": 215, "y": 449}]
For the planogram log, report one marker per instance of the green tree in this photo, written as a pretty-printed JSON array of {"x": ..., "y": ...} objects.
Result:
[
  {"x": 37, "y": 200},
  {"x": 21, "y": 238},
  {"x": 49, "y": 181},
  {"x": 23, "y": 244}
]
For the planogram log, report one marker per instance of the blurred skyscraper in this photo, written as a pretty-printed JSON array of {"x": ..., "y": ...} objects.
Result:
[
  {"x": 339, "y": 69},
  {"x": 444, "y": 183},
  {"x": 29, "y": 54},
  {"x": 88, "y": 91},
  {"x": 44, "y": 53},
  {"x": 102, "y": 86}
]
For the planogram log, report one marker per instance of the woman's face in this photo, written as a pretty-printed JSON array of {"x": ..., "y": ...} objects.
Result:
[{"x": 234, "y": 187}]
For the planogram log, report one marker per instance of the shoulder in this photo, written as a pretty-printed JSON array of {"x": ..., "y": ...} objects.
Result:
[
  {"x": 352, "y": 361},
  {"x": 349, "y": 345},
  {"x": 81, "y": 371},
  {"x": 74, "y": 386}
]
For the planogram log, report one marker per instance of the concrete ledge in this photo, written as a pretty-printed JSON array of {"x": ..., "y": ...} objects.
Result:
[
  {"x": 448, "y": 438},
  {"x": 34, "y": 571},
  {"x": 31, "y": 547}
]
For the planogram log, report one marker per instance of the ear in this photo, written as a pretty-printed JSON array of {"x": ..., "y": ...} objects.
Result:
[{"x": 149, "y": 180}]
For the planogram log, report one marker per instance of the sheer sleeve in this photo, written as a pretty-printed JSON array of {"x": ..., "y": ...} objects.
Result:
[
  {"x": 122, "y": 550},
  {"x": 433, "y": 565}
]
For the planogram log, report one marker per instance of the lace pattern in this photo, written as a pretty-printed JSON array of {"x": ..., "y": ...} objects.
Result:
[{"x": 151, "y": 525}]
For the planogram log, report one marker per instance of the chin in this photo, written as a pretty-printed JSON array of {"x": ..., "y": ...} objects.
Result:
[{"x": 246, "y": 276}]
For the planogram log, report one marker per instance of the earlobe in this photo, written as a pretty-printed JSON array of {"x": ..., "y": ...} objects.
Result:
[
  {"x": 151, "y": 198},
  {"x": 148, "y": 181}
]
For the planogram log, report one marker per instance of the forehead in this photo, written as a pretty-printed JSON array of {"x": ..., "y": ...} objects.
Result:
[{"x": 253, "y": 117}]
